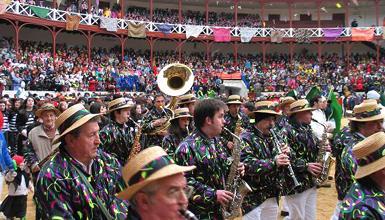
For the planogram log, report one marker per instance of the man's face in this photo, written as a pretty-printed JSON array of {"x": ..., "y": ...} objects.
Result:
[
  {"x": 123, "y": 115},
  {"x": 234, "y": 109},
  {"x": 266, "y": 124},
  {"x": 183, "y": 122},
  {"x": 304, "y": 117},
  {"x": 88, "y": 140},
  {"x": 216, "y": 123},
  {"x": 168, "y": 199},
  {"x": 48, "y": 118},
  {"x": 159, "y": 101},
  {"x": 372, "y": 127}
]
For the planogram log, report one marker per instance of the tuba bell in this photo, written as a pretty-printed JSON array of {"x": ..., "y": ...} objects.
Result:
[{"x": 174, "y": 80}]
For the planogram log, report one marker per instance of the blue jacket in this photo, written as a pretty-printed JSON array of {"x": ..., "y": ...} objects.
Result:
[{"x": 5, "y": 159}]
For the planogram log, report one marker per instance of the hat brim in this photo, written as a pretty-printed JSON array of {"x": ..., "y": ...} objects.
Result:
[
  {"x": 363, "y": 171},
  {"x": 169, "y": 170},
  {"x": 302, "y": 110},
  {"x": 121, "y": 107},
  {"x": 186, "y": 102},
  {"x": 234, "y": 102},
  {"x": 271, "y": 112},
  {"x": 181, "y": 116},
  {"x": 75, "y": 125},
  {"x": 373, "y": 118},
  {"x": 40, "y": 111},
  {"x": 288, "y": 102}
]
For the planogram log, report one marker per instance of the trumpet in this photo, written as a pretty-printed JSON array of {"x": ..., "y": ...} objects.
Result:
[{"x": 278, "y": 145}]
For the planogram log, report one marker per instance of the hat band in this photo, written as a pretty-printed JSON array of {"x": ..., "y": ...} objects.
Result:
[
  {"x": 368, "y": 114},
  {"x": 150, "y": 168},
  {"x": 264, "y": 107},
  {"x": 72, "y": 119},
  {"x": 187, "y": 100},
  {"x": 119, "y": 105},
  {"x": 379, "y": 153},
  {"x": 233, "y": 100},
  {"x": 182, "y": 114},
  {"x": 299, "y": 107}
]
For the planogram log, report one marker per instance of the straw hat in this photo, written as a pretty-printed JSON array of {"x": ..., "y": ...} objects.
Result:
[
  {"x": 266, "y": 107},
  {"x": 119, "y": 103},
  {"x": 70, "y": 119},
  {"x": 181, "y": 113},
  {"x": 234, "y": 99},
  {"x": 368, "y": 110},
  {"x": 300, "y": 106},
  {"x": 286, "y": 101},
  {"x": 370, "y": 154},
  {"x": 47, "y": 107},
  {"x": 185, "y": 99},
  {"x": 149, "y": 165}
]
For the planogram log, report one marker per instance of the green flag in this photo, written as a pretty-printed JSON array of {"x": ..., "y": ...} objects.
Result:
[
  {"x": 336, "y": 111},
  {"x": 382, "y": 99},
  {"x": 40, "y": 12},
  {"x": 313, "y": 92},
  {"x": 293, "y": 93}
]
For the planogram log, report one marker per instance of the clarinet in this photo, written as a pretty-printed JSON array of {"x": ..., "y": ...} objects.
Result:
[
  {"x": 289, "y": 167},
  {"x": 187, "y": 214}
]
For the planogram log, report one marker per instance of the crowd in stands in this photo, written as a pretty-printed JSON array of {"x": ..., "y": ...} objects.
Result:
[{"x": 34, "y": 65}]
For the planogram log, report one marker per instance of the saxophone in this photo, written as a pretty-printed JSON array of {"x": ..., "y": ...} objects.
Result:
[
  {"x": 136, "y": 145},
  {"x": 324, "y": 157},
  {"x": 234, "y": 182}
]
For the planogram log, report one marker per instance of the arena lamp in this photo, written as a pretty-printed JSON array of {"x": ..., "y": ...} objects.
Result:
[{"x": 338, "y": 5}]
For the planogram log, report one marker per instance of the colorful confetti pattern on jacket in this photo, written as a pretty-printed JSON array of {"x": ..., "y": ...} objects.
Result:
[
  {"x": 345, "y": 163},
  {"x": 212, "y": 163},
  {"x": 61, "y": 193},
  {"x": 261, "y": 170},
  {"x": 363, "y": 202},
  {"x": 117, "y": 140},
  {"x": 171, "y": 142},
  {"x": 304, "y": 149},
  {"x": 152, "y": 139}
]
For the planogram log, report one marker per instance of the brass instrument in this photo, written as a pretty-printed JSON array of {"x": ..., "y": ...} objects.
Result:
[
  {"x": 324, "y": 157},
  {"x": 234, "y": 183},
  {"x": 173, "y": 80},
  {"x": 278, "y": 145},
  {"x": 136, "y": 148}
]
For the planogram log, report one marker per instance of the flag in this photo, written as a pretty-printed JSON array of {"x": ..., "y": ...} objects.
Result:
[
  {"x": 276, "y": 35},
  {"x": 40, "y": 12},
  {"x": 3, "y": 8},
  {"x": 382, "y": 99},
  {"x": 336, "y": 111},
  {"x": 72, "y": 22},
  {"x": 302, "y": 35},
  {"x": 331, "y": 34},
  {"x": 165, "y": 28},
  {"x": 193, "y": 31},
  {"x": 313, "y": 92},
  {"x": 110, "y": 24},
  {"x": 362, "y": 34},
  {"x": 222, "y": 34},
  {"x": 293, "y": 93},
  {"x": 247, "y": 34},
  {"x": 136, "y": 30}
]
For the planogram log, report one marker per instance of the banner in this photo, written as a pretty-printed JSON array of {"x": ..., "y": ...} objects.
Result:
[
  {"x": 359, "y": 34},
  {"x": 331, "y": 34},
  {"x": 247, "y": 34},
  {"x": 165, "y": 28},
  {"x": 40, "y": 12},
  {"x": 110, "y": 24},
  {"x": 136, "y": 30},
  {"x": 193, "y": 31},
  {"x": 276, "y": 35},
  {"x": 226, "y": 76},
  {"x": 222, "y": 34},
  {"x": 3, "y": 8},
  {"x": 302, "y": 35},
  {"x": 72, "y": 22}
]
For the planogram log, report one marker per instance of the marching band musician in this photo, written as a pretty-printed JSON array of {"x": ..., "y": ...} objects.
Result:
[
  {"x": 154, "y": 119},
  {"x": 202, "y": 149},
  {"x": 157, "y": 186},
  {"x": 367, "y": 120},
  {"x": 188, "y": 101},
  {"x": 263, "y": 164},
  {"x": 178, "y": 130},
  {"x": 117, "y": 137},
  {"x": 80, "y": 181},
  {"x": 301, "y": 203},
  {"x": 284, "y": 105}
]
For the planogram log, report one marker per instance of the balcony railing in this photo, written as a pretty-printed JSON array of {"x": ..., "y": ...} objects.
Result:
[{"x": 90, "y": 19}]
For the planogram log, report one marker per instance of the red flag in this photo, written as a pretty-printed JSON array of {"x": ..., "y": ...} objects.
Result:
[
  {"x": 222, "y": 34},
  {"x": 359, "y": 34}
]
